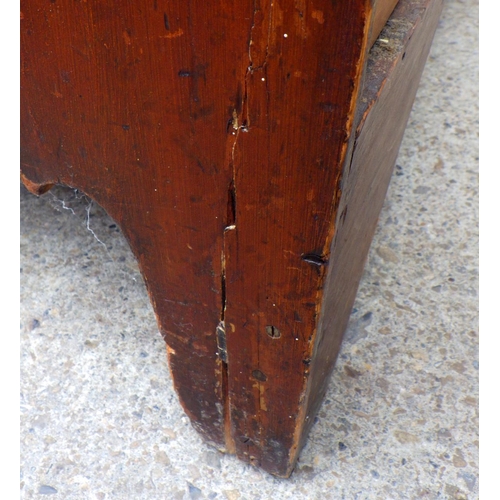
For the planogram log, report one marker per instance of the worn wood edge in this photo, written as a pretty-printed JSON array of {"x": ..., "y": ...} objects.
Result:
[
  {"x": 385, "y": 53},
  {"x": 36, "y": 188},
  {"x": 382, "y": 11},
  {"x": 379, "y": 72},
  {"x": 350, "y": 126}
]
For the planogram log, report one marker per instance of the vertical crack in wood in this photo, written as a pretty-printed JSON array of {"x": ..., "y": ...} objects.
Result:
[
  {"x": 258, "y": 54},
  {"x": 222, "y": 354},
  {"x": 228, "y": 438},
  {"x": 221, "y": 327},
  {"x": 231, "y": 207},
  {"x": 254, "y": 63},
  {"x": 221, "y": 341}
]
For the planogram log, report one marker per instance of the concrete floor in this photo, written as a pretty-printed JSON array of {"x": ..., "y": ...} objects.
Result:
[{"x": 99, "y": 416}]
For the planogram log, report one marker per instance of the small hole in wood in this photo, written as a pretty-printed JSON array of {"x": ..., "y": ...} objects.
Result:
[
  {"x": 404, "y": 55},
  {"x": 314, "y": 258},
  {"x": 343, "y": 215},
  {"x": 273, "y": 332},
  {"x": 257, "y": 374},
  {"x": 165, "y": 22}
]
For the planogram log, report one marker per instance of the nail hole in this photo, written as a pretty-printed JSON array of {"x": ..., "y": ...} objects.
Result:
[
  {"x": 314, "y": 258},
  {"x": 165, "y": 22},
  {"x": 404, "y": 55},
  {"x": 343, "y": 215},
  {"x": 273, "y": 332}
]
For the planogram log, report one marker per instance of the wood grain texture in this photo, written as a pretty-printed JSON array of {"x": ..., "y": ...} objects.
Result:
[
  {"x": 226, "y": 152},
  {"x": 392, "y": 78},
  {"x": 298, "y": 107},
  {"x": 130, "y": 102}
]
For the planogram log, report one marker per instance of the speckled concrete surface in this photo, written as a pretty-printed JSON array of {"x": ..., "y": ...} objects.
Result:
[{"x": 100, "y": 419}]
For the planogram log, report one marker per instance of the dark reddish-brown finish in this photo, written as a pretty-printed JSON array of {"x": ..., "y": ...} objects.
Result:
[
  {"x": 392, "y": 77},
  {"x": 219, "y": 135},
  {"x": 299, "y": 97}
]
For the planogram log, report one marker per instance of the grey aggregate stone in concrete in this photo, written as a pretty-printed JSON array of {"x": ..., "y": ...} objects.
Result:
[{"x": 99, "y": 416}]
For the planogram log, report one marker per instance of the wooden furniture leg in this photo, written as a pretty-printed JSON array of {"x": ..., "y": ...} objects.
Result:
[{"x": 245, "y": 149}]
